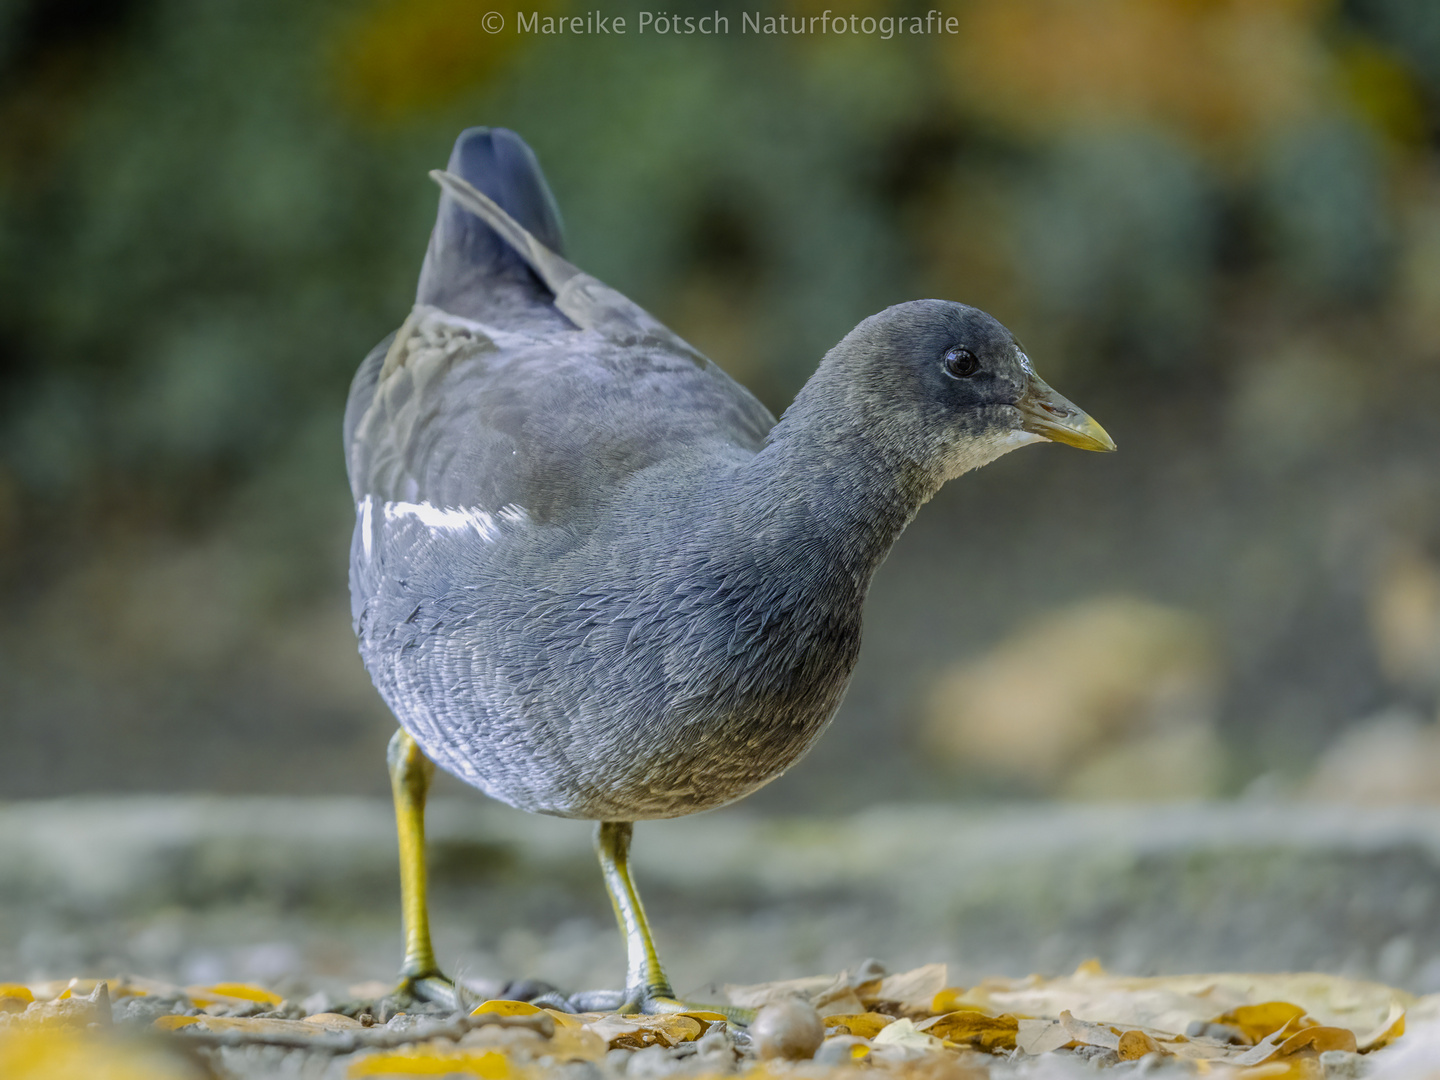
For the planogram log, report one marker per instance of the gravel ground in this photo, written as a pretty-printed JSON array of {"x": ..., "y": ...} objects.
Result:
[{"x": 301, "y": 894}]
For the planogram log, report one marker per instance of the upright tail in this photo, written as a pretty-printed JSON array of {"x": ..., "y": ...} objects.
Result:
[{"x": 466, "y": 256}]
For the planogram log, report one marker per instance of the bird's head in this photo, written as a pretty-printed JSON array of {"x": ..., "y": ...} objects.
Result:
[{"x": 952, "y": 389}]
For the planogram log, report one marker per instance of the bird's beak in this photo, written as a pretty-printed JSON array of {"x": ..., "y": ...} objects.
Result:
[{"x": 1051, "y": 416}]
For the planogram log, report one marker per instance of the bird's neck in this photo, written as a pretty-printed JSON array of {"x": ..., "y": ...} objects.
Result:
[{"x": 825, "y": 487}]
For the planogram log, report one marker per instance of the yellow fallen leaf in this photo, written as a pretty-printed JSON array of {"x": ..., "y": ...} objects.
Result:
[
  {"x": 638, "y": 1032},
  {"x": 1319, "y": 1039},
  {"x": 1281, "y": 1044},
  {"x": 243, "y": 991},
  {"x": 968, "y": 1027},
  {"x": 1294, "y": 1069},
  {"x": 1135, "y": 1044},
  {"x": 675, "y": 1027},
  {"x": 1257, "y": 1021},
  {"x": 50, "y": 1054},
  {"x": 948, "y": 1000},
  {"x": 432, "y": 1061},
  {"x": 706, "y": 1018},
  {"x": 16, "y": 990},
  {"x": 866, "y": 1025},
  {"x": 501, "y": 1007}
]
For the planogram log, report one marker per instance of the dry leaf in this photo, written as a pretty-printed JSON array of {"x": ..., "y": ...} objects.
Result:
[
  {"x": 903, "y": 1033},
  {"x": 1135, "y": 1044},
  {"x": 1319, "y": 1039},
  {"x": 1041, "y": 1036},
  {"x": 914, "y": 991},
  {"x": 866, "y": 1025},
  {"x": 1257, "y": 1021},
  {"x": 638, "y": 1032},
  {"x": 226, "y": 992},
  {"x": 811, "y": 988},
  {"x": 1083, "y": 1031},
  {"x": 970, "y": 1028},
  {"x": 1389, "y": 1029},
  {"x": 502, "y": 1007}
]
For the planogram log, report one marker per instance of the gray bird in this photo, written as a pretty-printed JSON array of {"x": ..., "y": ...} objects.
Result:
[{"x": 591, "y": 574}]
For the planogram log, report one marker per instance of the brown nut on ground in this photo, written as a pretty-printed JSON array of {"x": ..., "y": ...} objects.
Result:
[{"x": 789, "y": 1029}]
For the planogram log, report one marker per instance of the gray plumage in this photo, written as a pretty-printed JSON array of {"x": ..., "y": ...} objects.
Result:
[{"x": 590, "y": 573}]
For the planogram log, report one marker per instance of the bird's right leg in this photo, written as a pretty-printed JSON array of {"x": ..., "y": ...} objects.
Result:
[{"x": 410, "y": 774}]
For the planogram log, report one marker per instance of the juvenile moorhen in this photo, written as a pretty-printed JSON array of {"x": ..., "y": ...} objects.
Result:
[{"x": 591, "y": 574}]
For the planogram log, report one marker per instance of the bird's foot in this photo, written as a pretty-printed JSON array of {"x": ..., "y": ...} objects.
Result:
[
  {"x": 427, "y": 990},
  {"x": 648, "y": 1001}
]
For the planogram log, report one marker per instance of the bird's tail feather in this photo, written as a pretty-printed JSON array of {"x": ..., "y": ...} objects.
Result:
[{"x": 465, "y": 252}]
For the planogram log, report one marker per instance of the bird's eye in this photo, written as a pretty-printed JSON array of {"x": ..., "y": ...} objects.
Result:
[{"x": 960, "y": 363}]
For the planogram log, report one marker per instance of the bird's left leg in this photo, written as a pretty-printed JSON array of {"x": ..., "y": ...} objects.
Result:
[
  {"x": 645, "y": 982},
  {"x": 647, "y": 989},
  {"x": 410, "y": 775}
]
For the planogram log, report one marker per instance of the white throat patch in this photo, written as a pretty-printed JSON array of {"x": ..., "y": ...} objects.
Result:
[{"x": 977, "y": 452}]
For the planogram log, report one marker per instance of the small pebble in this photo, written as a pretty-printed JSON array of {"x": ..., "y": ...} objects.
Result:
[
  {"x": 789, "y": 1029},
  {"x": 618, "y": 1059},
  {"x": 527, "y": 990},
  {"x": 142, "y": 1010},
  {"x": 653, "y": 1063},
  {"x": 1342, "y": 1065}
]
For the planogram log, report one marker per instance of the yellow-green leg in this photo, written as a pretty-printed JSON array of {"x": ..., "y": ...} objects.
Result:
[
  {"x": 647, "y": 989},
  {"x": 410, "y": 774}
]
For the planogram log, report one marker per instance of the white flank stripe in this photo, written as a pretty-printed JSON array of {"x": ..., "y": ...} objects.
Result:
[{"x": 453, "y": 518}]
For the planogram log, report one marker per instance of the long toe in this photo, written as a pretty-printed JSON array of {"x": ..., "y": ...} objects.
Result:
[
  {"x": 429, "y": 993},
  {"x": 597, "y": 1000}
]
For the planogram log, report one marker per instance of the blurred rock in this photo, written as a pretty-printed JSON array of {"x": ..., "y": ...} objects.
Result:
[
  {"x": 1405, "y": 619},
  {"x": 789, "y": 1029},
  {"x": 1182, "y": 760},
  {"x": 1111, "y": 697},
  {"x": 1393, "y": 758}
]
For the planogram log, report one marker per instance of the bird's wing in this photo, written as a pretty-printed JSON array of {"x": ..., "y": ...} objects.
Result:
[
  {"x": 541, "y": 392},
  {"x": 455, "y": 414}
]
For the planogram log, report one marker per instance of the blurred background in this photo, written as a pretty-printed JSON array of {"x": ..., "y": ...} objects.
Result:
[{"x": 1214, "y": 224}]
